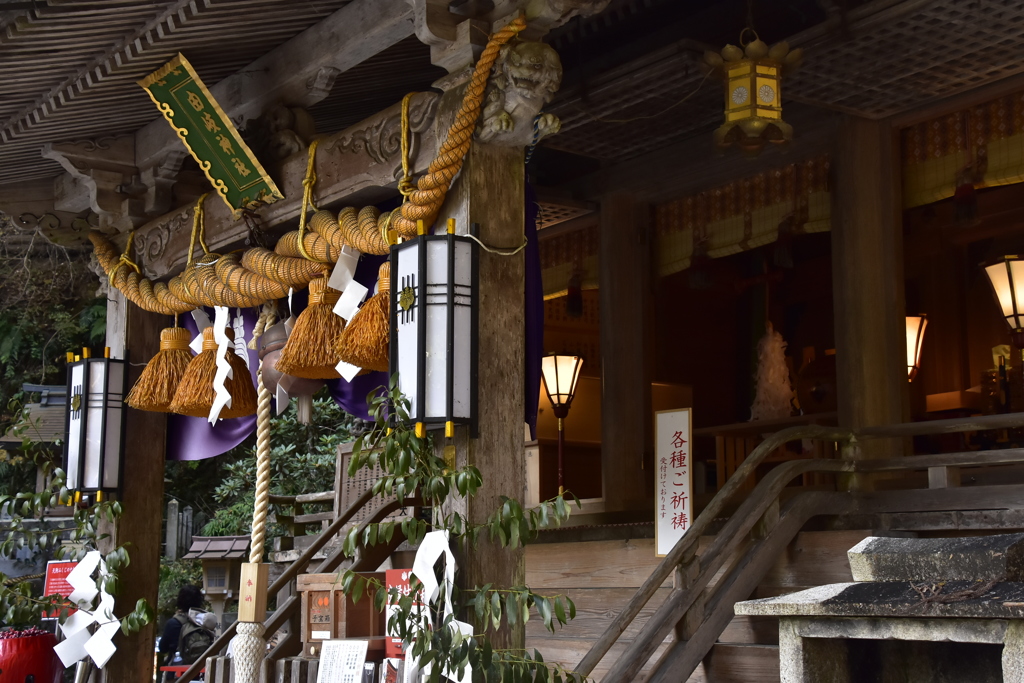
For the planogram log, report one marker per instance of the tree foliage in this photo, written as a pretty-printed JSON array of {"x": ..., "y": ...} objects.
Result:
[
  {"x": 48, "y": 305},
  {"x": 72, "y": 539},
  {"x": 302, "y": 460},
  {"x": 411, "y": 469}
]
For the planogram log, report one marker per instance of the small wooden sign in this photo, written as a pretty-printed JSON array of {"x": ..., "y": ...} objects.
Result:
[
  {"x": 673, "y": 512},
  {"x": 209, "y": 135},
  {"x": 252, "y": 594}
]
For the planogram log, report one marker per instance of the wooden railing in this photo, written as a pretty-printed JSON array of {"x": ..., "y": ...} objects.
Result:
[
  {"x": 761, "y": 528},
  {"x": 295, "y": 522},
  {"x": 288, "y": 609}
]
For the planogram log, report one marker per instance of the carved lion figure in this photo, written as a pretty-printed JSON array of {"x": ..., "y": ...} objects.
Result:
[{"x": 525, "y": 78}]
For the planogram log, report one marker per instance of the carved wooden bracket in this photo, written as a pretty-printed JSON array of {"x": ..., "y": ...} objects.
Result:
[
  {"x": 360, "y": 165},
  {"x": 101, "y": 176}
]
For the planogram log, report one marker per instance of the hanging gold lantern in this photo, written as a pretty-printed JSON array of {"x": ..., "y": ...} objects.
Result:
[{"x": 753, "y": 93}]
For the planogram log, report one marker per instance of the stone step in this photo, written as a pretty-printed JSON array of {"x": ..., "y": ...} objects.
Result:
[{"x": 981, "y": 558}]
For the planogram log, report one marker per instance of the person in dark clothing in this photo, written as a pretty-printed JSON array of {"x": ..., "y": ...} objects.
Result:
[{"x": 189, "y": 597}]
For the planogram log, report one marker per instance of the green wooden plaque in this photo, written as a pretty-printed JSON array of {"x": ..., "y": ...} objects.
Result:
[{"x": 210, "y": 136}]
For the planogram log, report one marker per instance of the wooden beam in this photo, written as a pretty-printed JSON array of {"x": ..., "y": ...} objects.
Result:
[
  {"x": 626, "y": 300},
  {"x": 867, "y": 274},
  {"x": 142, "y": 496},
  {"x": 490, "y": 192},
  {"x": 359, "y": 165},
  {"x": 289, "y": 73},
  {"x": 696, "y": 164},
  {"x": 948, "y": 105}
]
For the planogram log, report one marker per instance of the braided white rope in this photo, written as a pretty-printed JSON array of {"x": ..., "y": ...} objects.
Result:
[{"x": 259, "y": 515}]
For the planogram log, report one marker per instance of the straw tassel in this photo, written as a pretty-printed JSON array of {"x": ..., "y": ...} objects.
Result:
[
  {"x": 195, "y": 394},
  {"x": 365, "y": 341},
  {"x": 155, "y": 388},
  {"x": 309, "y": 351}
]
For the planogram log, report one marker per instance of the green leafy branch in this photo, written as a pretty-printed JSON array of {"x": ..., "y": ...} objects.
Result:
[
  {"x": 409, "y": 468},
  {"x": 29, "y": 528}
]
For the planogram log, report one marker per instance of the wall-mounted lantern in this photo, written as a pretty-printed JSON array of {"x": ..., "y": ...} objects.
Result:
[
  {"x": 1007, "y": 279},
  {"x": 94, "y": 453},
  {"x": 434, "y": 313}
]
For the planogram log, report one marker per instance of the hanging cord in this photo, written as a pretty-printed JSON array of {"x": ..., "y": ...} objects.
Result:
[
  {"x": 495, "y": 250},
  {"x": 307, "y": 200},
  {"x": 259, "y": 515},
  {"x": 405, "y": 185},
  {"x": 268, "y": 316},
  {"x": 198, "y": 229},
  {"x": 125, "y": 259}
]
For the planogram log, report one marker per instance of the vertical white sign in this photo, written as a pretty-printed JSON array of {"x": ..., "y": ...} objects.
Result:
[{"x": 673, "y": 501}]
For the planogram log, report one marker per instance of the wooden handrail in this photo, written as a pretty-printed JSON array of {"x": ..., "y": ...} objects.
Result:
[
  {"x": 751, "y": 510},
  {"x": 704, "y": 520},
  {"x": 286, "y": 577}
]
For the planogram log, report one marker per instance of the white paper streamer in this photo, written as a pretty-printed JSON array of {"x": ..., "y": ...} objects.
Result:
[
  {"x": 222, "y": 397},
  {"x": 79, "y": 642},
  {"x": 202, "y": 322},
  {"x": 80, "y": 578},
  {"x": 344, "y": 269},
  {"x": 238, "y": 325},
  {"x": 348, "y": 302},
  {"x": 100, "y": 647},
  {"x": 72, "y": 648},
  {"x": 281, "y": 400},
  {"x": 433, "y": 546},
  {"x": 347, "y": 370}
]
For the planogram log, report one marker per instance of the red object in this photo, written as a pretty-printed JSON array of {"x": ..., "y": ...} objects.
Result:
[
  {"x": 180, "y": 669},
  {"x": 395, "y": 578},
  {"x": 57, "y": 582},
  {"x": 30, "y": 656}
]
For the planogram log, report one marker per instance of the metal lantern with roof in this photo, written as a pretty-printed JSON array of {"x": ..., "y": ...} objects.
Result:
[
  {"x": 753, "y": 92},
  {"x": 222, "y": 558},
  {"x": 94, "y": 451},
  {"x": 434, "y": 316}
]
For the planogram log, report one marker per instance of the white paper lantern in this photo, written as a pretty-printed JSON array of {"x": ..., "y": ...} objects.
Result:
[
  {"x": 93, "y": 454},
  {"x": 434, "y": 314}
]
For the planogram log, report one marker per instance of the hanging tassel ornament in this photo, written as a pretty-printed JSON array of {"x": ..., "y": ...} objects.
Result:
[
  {"x": 309, "y": 351},
  {"x": 155, "y": 388},
  {"x": 195, "y": 395},
  {"x": 365, "y": 341}
]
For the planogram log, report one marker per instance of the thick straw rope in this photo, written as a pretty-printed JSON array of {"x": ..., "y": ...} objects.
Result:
[
  {"x": 262, "y": 275},
  {"x": 259, "y": 515}
]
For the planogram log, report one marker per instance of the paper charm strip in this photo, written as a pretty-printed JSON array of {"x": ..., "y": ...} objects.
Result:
[
  {"x": 433, "y": 546},
  {"x": 78, "y": 642},
  {"x": 238, "y": 325},
  {"x": 222, "y": 397}
]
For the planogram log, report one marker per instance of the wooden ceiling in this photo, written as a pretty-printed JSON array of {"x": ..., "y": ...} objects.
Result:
[
  {"x": 68, "y": 67},
  {"x": 632, "y": 86},
  {"x": 875, "y": 60}
]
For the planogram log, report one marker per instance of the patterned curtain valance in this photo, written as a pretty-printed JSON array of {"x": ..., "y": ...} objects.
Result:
[
  {"x": 981, "y": 146},
  {"x": 743, "y": 214},
  {"x": 566, "y": 255}
]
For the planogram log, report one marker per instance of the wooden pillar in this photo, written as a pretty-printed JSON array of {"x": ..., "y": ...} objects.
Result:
[
  {"x": 129, "y": 327},
  {"x": 867, "y": 277},
  {"x": 626, "y": 419},
  {"x": 490, "y": 192}
]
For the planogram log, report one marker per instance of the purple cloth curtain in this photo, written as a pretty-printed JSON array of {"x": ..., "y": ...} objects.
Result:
[
  {"x": 193, "y": 438},
  {"x": 534, "y": 350}
]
